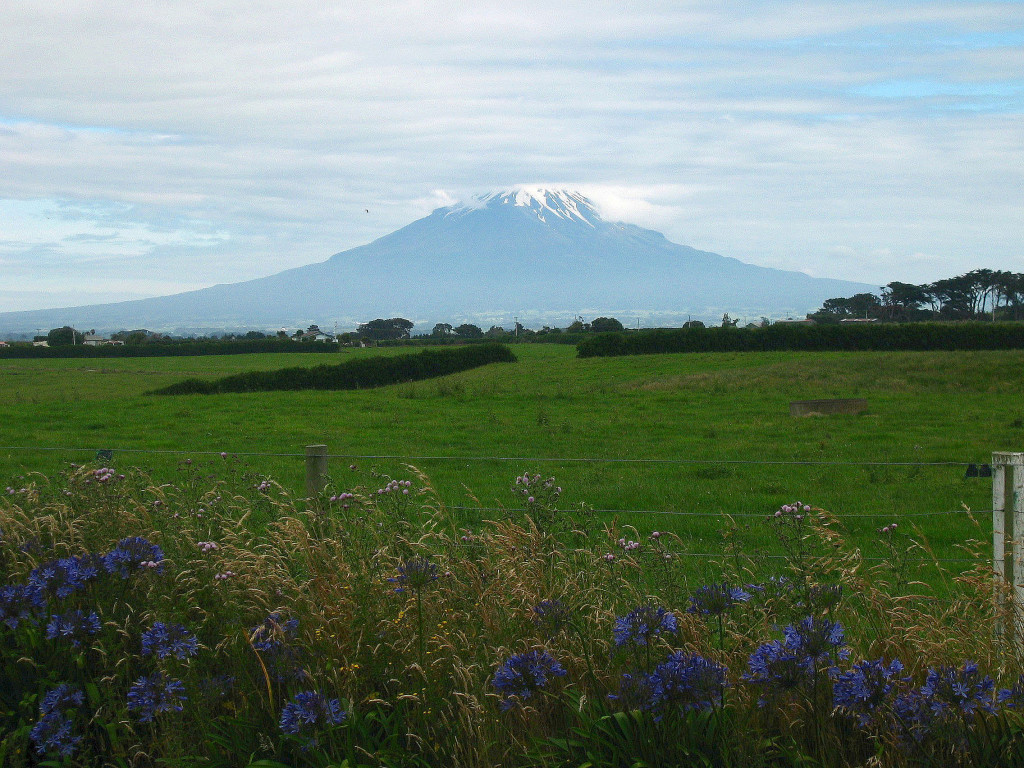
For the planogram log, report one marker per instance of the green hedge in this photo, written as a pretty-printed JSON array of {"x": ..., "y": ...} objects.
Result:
[
  {"x": 354, "y": 374},
  {"x": 170, "y": 349},
  {"x": 793, "y": 337}
]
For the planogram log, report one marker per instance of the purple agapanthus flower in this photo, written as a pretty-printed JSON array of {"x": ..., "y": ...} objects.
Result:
[
  {"x": 75, "y": 626},
  {"x": 521, "y": 676},
  {"x": 20, "y": 602},
  {"x": 131, "y": 555},
  {"x": 685, "y": 681},
  {"x": 716, "y": 599},
  {"x": 414, "y": 573},
  {"x": 1012, "y": 697},
  {"x": 154, "y": 695},
  {"x": 309, "y": 713},
  {"x": 777, "y": 670},
  {"x": 965, "y": 690},
  {"x": 67, "y": 575},
  {"x": 163, "y": 640},
  {"x": 641, "y": 625},
  {"x": 53, "y": 732},
  {"x": 866, "y": 688}
]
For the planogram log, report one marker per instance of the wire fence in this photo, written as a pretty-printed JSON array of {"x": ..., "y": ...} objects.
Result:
[
  {"x": 608, "y": 512},
  {"x": 521, "y": 459}
]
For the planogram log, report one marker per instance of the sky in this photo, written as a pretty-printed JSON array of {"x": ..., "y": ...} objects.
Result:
[{"x": 157, "y": 146}]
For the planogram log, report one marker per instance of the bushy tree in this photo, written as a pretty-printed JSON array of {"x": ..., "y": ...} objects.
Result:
[
  {"x": 469, "y": 331},
  {"x": 380, "y": 330},
  {"x": 603, "y": 324},
  {"x": 64, "y": 337}
]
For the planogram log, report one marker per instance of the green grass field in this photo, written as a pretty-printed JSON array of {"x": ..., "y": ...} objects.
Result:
[{"x": 711, "y": 421}]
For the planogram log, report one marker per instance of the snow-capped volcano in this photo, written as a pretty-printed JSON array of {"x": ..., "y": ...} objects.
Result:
[
  {"x": 541, "y": 254},
  {"x": 561, "y": 203}
]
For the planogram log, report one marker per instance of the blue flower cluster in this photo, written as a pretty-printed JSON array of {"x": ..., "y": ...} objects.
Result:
[
  {"x": 154, "y": 694},
  {"x": 415, "y": 573},
  {"x": 523, "y": 675},
  {"x": 53, "y": 731},
  {"x": 685, "y": 681},
  {"x": 641, "y": 625},
  {"x": 309, "y": 713},
  {"x": 866, "y": 688},
  {"x": 163, "y": 640},
  {"x": 66, "y": 576},
  {"x": 20, "y": 602},
  {"x": 716, "y": 599},
  {"x": 810, "y": 646},
  {"x": 75, "y": 626},
  {"x": 132, "y": 554},
  {"x": 1012, "y": 697}
]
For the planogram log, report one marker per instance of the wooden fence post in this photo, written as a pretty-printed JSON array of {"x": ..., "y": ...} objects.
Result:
[
  {"x": 316, "y": 469},
  {"x": 1008, "y": 528}
]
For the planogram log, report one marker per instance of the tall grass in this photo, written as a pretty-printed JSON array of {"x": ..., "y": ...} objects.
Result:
[{"x": 530, "y": 639}]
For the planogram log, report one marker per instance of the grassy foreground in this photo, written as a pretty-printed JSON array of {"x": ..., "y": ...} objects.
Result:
[{"x": 209, "y": 622}]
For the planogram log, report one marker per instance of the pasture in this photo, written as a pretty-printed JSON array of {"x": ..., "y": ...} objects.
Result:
[
  {"x": 698, "y": 434},
  {"x": 181, "y": 603}
]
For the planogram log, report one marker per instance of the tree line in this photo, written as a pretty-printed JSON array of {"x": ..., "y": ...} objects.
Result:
[{"x": 976, "y": 295}]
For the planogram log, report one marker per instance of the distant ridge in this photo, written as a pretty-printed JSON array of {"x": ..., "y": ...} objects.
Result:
[{"x": 543, "y": 255}]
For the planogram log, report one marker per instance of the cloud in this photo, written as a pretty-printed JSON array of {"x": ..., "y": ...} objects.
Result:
[{"x": 232, "y": 140}]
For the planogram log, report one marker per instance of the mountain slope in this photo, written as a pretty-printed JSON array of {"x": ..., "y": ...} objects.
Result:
[{"x": 543, "y": 255}]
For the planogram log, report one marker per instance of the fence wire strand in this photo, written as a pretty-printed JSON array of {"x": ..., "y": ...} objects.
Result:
[{"x": 522, "y": 459}]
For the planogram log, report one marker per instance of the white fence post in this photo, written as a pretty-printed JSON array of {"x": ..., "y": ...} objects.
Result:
[
  {"x": 316, "y": 469},
  {"x": 1008, "y": 526}
]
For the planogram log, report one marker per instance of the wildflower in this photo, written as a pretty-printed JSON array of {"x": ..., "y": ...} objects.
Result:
[
  {"x": 816, "y": 639},
  {"x": 685, "y": 681},
  {"x": 716, "y": 599},
  {"x": 777, "y": 669},
  {"x": 308, "y": 713},
  {"x": 20, "y": 602},
  {"x": 523, "y": 675},
  {"x": 809, "y": 648},
  {"x": 154, "y": 695},
  {"x": 866, "y": 687},
  {"x": 75, "y": 626},
  {"x": 963, "y": 690},
  {"x": 53, "y": 731},
  {"x": 1012, "y": 697},
  {"x": 66, "y": 576},
  {"x": 551, "y": 617},
  {"x": 132, "y": 553},
  {"x": 165, "y": 640},
  {"x": 642, "y": 624},
  {"x": 415, "y": 573},
  {"x": 609, "y": 558}
]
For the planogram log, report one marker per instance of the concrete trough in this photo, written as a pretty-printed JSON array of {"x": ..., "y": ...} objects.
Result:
[{"x": 827, "y": 407}]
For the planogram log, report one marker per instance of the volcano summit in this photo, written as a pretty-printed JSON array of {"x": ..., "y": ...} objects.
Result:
[{"x": 543, "y": 255}]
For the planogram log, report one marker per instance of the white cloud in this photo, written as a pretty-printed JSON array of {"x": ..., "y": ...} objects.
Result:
[{"x": 230, "y": 140}]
